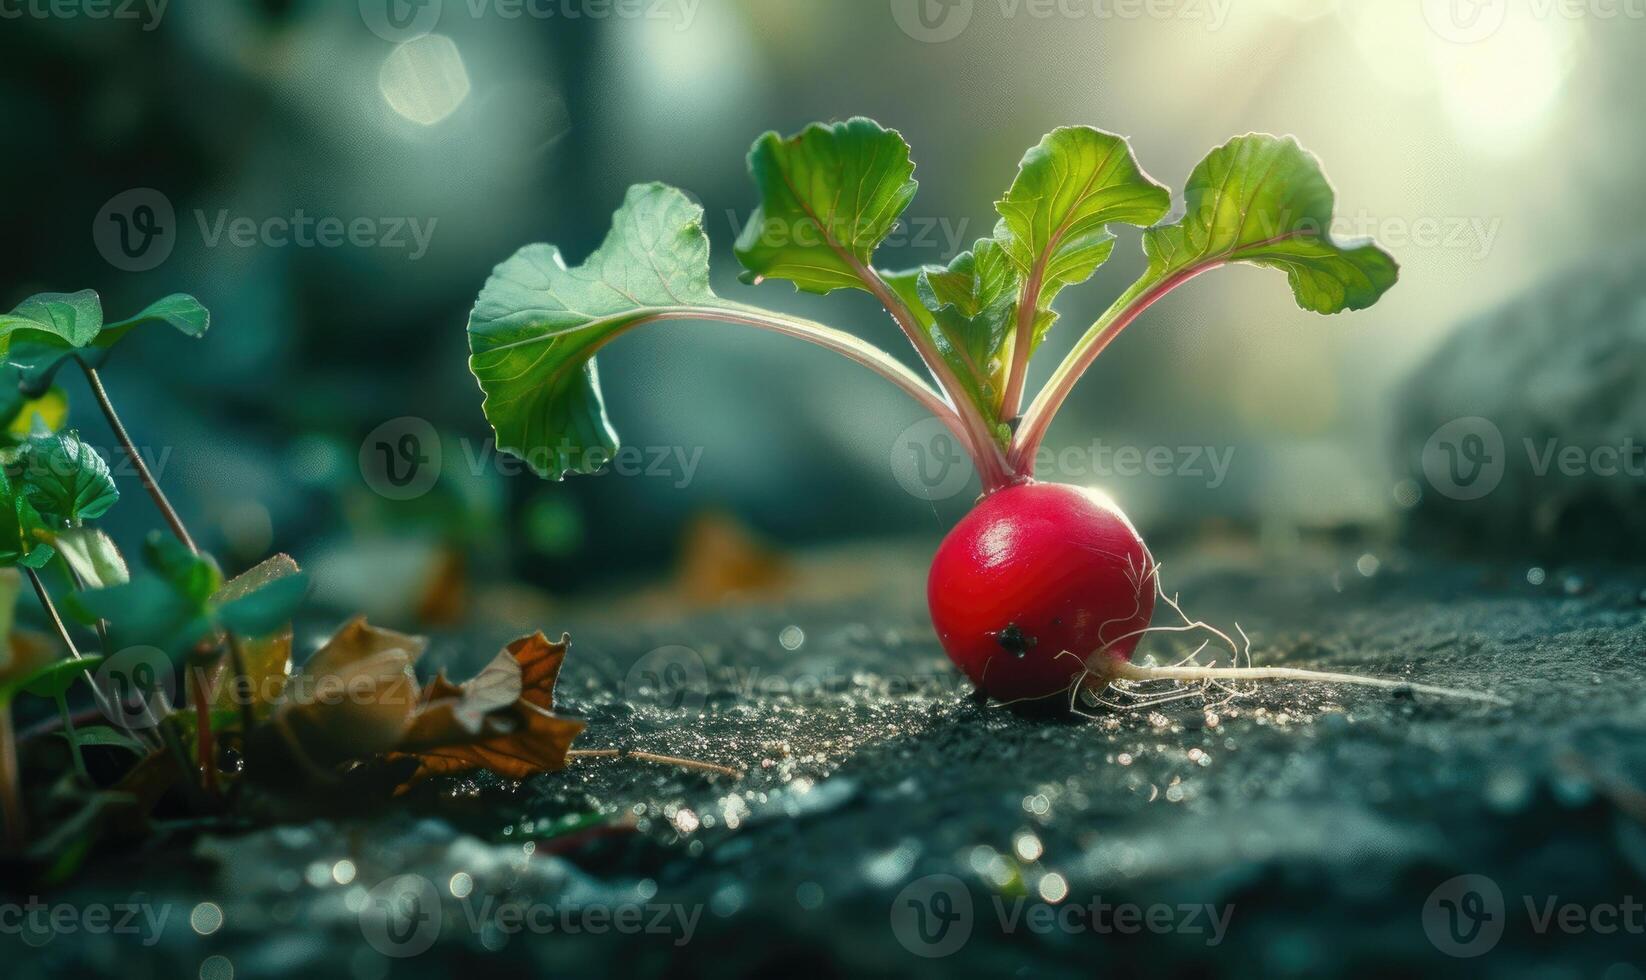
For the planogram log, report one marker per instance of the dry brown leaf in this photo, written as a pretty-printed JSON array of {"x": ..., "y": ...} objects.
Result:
[
  {"x": 722, "y": 560},
  {"x": 502, "y": 720},
  {"x": 354, "y": 698}
]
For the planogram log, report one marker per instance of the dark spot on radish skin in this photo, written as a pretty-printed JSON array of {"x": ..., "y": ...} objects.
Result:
[{"x": 1013, "y": 640}]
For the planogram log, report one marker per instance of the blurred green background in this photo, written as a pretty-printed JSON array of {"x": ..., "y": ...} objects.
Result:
[{"x": 1489, "y": 145}]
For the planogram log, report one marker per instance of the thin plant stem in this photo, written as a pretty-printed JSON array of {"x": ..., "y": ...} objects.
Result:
[
  {"x": 103, "y": 705},
  {"x": 11, "y": 792},
  {"x": 992, "y": 464},
  {"x": 51, "y": 614},
  {"x": 70, "y": 733},
  {"x": 205, "y": 744},
  {"x": 242, "y": 685},
  {"x": 667, "y": 760},
  {"x": 142, "y": 468},
  {"x": 1131, "y": 304},
  {"x": 97, "y": 693}
]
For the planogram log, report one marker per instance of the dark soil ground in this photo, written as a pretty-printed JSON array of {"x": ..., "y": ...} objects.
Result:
[{"x": 888, "y": 824}]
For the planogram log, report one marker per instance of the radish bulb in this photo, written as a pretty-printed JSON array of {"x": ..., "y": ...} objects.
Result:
[
  {"x": 1041, "y": 587},
  {"x": 1036, "y": 586}
]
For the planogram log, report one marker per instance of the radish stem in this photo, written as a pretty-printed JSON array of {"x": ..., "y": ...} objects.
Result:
[
  {"x": 986, "y": 453},
  {"x": 1131, "y": 304}
]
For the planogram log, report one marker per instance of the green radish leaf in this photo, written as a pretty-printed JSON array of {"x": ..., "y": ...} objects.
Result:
[
  {"x": 1055, "y": 217},
  {"x": 65, "y": 479},
  {"x": 1264, "y": 200},
  {"x": 92, "y": 556},
  {"x": 537, "y": 325},
  {"x": 828, "y": 197},
  {"x": 47, "y": 330},
  {"x": 967, "y": 307}
]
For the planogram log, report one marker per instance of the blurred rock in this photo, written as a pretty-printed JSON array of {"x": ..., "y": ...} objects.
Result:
[{"x": 1526, "y": 432}]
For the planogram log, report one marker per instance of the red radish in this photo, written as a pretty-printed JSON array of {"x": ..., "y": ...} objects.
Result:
[
  {"x": 1041, "y": 586},
  {"x": 1035, "y": 582}
]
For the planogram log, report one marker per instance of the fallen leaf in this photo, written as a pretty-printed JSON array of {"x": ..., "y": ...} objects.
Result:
[
  {"x": 503, "y": 719},
  {"x": 354, "y": 698}
]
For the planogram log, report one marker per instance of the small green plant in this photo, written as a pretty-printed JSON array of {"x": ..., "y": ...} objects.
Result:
[
  {"x": 357, "y": 699},
  {"x": 1041, "y": 588},
  {"x": 54, "y": 487}
]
